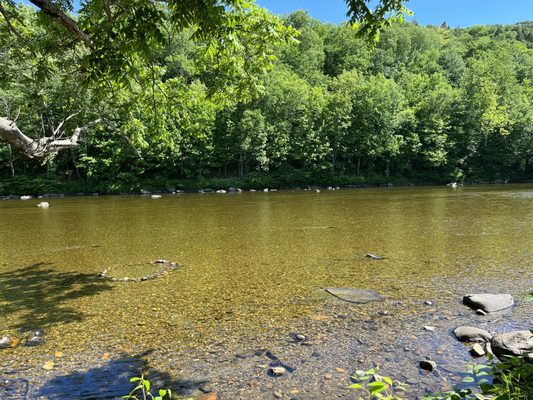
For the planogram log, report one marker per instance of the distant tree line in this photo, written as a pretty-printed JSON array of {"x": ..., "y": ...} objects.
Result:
[{"x": 427, "y": 103}]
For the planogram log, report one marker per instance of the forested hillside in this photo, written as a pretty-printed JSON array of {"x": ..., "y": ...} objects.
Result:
[{"x": 426, "y": 104}]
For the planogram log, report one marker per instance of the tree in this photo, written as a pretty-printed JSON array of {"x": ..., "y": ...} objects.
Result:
[
  {"x": 118, "y": 46},
  {"x": 115, "y": 40}
]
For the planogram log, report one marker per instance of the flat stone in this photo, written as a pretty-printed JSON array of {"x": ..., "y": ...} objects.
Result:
[
  {"x": 488, "y": 302},
  {"x": 356, "y": 296},
  {"x": 471, "y": 334},
  {"x": 374, "y": 257},
  {"x": 517, "y": 343}
]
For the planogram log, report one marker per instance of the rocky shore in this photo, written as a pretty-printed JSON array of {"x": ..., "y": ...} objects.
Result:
[{"x": 314, "y": 360}]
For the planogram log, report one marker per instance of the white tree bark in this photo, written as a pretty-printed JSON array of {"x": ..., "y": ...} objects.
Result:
[{"x": 42, "y": 147}]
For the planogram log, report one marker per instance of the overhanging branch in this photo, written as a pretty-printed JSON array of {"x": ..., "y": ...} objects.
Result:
[
  {"x": 42, "y": 147},
  {"x": 68, "y": 23}
]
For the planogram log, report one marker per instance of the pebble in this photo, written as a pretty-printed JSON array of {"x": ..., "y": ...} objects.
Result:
[
  {"x": 480, "y": 312},
  {"x": 277, "y": 394},
  {"x": 300, "y": 337},
  {"x": 477, "y": 350},
  {"x": 428, "y": 303},
  {"x": 429, "y": 328},
  {"x": 328, "y": 376},
  {"x": 277, "y": 371},
  {"x": 340, "y": 370},
  {"x": 428, "y": 365},
  {"x": 5, "y": 342}
]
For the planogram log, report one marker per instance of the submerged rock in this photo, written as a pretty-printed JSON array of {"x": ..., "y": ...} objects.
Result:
[
  {"x": 471, "y": 334},
  {"x": 5, "y": 343},
  {"x": 35, "y": 338},
  {"x": 355, "y": 295},
  {"x": 488, "y": 302},
  {"x": 517, "y": 343},
  {"x": 374, "y": 257},
  {"x": 43, "y": 204},
  {"x": 277, "y": 371},
  {"x": 428, "y": 365}
]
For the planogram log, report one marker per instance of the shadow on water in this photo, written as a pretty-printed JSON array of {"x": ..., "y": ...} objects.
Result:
[
  {"x": 40, "y": 294},
  {"x": 112, "y": 380}
]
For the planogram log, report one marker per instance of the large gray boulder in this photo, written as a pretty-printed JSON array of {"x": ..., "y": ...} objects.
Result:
[
  {"x": 355, "y": 295},
  {"x": 488, "y": 302},
  {"x": 517, "y": 343},
  {"x": 471, "y": 334}
]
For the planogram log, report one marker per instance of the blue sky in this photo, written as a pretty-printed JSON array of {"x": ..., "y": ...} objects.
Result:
[{"x": 456, "y": 13}]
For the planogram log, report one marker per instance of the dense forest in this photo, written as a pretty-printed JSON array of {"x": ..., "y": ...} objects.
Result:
[{"x": 424, "y": 104}]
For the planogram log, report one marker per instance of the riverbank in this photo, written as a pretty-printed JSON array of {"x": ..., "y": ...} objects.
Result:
[
  {"x": 341, "y": 338},
  {"x": 52, "y": 187}
]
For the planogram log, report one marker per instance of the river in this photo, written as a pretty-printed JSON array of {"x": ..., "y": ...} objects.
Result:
[{"x": 253, "y": 270}]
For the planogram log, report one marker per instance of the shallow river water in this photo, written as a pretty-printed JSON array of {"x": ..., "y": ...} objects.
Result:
[{"x": 254, "y": 266}]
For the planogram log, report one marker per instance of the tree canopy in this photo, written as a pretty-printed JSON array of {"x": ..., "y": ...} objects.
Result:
[
  {"x": 288, "y": 94},
  {"x": 118, "y": 38}
]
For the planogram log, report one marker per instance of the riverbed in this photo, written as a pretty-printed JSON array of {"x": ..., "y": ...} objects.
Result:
[{"x": 253, "y": 268}]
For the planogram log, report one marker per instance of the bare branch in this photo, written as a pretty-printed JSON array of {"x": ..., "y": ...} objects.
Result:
[
  {"x": 54, "y": 134},
  {"x": 42, "y": 147}
]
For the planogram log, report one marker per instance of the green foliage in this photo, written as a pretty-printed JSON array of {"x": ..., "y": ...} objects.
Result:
[
  {"x": 426, "y": 104},
  {"x": 378, "y": 386},
  {"x": 511, "y": 379},
  {"x": 142, "y": 391}
]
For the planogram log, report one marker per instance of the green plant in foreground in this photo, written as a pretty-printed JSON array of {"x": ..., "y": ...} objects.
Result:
[
  {"x": 378, "y": 386},
  {"x": 509, "y": 379},
  {"x": 143, "y": 389}
]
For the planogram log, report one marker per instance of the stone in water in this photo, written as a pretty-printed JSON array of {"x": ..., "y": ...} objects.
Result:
[
  {"x": 488, "y": 302},
  {"x": 356, "y": 296}
]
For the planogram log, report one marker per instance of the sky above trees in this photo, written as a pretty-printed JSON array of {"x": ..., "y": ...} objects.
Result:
[{"x": 456, "y": 13}]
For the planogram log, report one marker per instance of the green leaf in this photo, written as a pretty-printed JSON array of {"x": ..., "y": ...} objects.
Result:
[
  {"x": 387, "y": 380},
  {"x": 376, "y": 387},
  {"x": 356, "y": 386}
]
